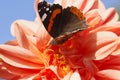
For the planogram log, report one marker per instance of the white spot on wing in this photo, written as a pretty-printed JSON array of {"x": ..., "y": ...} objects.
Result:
[
  {"x": 47, "y": 9},
  {"x": 44, "y": 16},
  {"x": 44, "y": 7},
  {"x": 39, "y": 10},
  {"x": 50, "y": 11}
]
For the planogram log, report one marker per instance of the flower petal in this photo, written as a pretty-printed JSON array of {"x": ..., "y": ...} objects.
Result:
[
  {"x": 26, "y": 43},
  {"x": 83, "y": 5},
  {"x": 23, "y": 33},
  {"x": 108, "y": 75},
  {"x": 106, "y": 44},
  {"x": 58, "y": 2},
  {"x": 75, "y": 76},
  {"x": 5, "y": 74},
  {"x": 19, "y": 57},
  {"x": 21, "y": 37},
  {"x": 111, "y": 62},
  {"x": 46, "y": 74},
  {"x": 12, "y": 42},
  {"x": 101, "y": 6},
  {"x": 88, "y": 4},
  {"x": 29, "y": 27},
  {"x": 93, "y": 18},
  {"x": 42, "y": 35},
  {"x": 109, "y": 16},
  {"x": 76, "y": 3},
  {"x": 17, "y": 72},
  {"x": 114, "y": 27}
]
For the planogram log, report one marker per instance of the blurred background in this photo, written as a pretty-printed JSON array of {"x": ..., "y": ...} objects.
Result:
[{"x": 12, "y": 10}]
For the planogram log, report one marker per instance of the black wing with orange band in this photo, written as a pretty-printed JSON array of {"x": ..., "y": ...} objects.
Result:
[
  {"x": 61, "y": 23},
  {"x": 50, "y": 16}
]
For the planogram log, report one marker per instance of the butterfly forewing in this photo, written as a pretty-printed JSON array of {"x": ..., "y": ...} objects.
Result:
[{"x": 50, "y": 16}]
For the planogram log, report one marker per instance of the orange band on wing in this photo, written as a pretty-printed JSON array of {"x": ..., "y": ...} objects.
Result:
[
  {"x": 55, "y": 12},
  {"x": 77, "y": 12}
]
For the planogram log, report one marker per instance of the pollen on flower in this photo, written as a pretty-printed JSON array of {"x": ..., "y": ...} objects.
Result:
[{"x": 63, "y": 66}]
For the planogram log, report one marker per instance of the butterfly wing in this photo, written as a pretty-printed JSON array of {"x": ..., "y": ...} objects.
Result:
[
  {"x": 60, "y": 23},
  {"x": 72, "y": 21},
  {"x": 50, "y": 15}
]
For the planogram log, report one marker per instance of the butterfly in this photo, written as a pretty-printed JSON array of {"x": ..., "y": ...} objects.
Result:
[{"x": 61, "y": 23}]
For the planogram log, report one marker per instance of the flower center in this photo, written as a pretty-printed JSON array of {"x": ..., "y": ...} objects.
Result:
[{"x": 63, "y": 66}]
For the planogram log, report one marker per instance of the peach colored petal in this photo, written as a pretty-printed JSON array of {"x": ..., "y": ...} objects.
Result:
[
  {"x": 105, "y": 37},
  {"x": 47, "y": 74},
  {"x": 42, "y": 57},
  {"x": 75, "y": 76},
  {"x": 101, "y": 6},
  {"x": 114, "y": 24},
  {"x": 111, "y": 62},
  {"x": 19, "y": 72},
  {"x": 108, "y": 74},
  {"x": 6, "y": 74},
  {"x": 19, "y": 57},
  {"x": 95, "y": 41},
  {"x": 107, "y": 42},
  {"x": 36, "y": 6},
  {"x": 109, "y": 16},
  {"x": 35, "y": 31},
  {"x": 91, "y": 15},
  {"x": 98, "y": 5},
  {"x": 117, "y": 51},
  {"x": 12, "y": 42},
  {"x": 24, "y": 27},
  {"x": 114, "y": 27},
  {"x": 81, "y": 4},
  {"x": 86, "y": 74},
  {"x": 21, "y": 37},
  {"x": 58, "y": 2},
  {"x": 66, "y": 3},
  {"x": 30, "y": 77},
  {"x": 105, "y": 51},
  {"x": 86, "y": 6},
  {"x": 42, "y": 35},
  {"x": 20, "y": 63},
  {"x": 38, "y": 20},
  {"x": 43, "y": 38},
  {"x": 67, "y": 77},
  {"x": 24, "y": 42},
  {"x": 95, "y": 22},
  {"x": 28, "y": 26},
  {"x": 93, "y": 18},
  {"x": 89, "y": 47}
]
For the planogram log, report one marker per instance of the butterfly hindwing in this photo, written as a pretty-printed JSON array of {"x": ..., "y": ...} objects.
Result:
[{"x": 71, "y": 21}]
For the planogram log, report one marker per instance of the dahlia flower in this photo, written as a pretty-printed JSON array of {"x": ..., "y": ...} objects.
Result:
[{"x": 91, "y": 54}]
